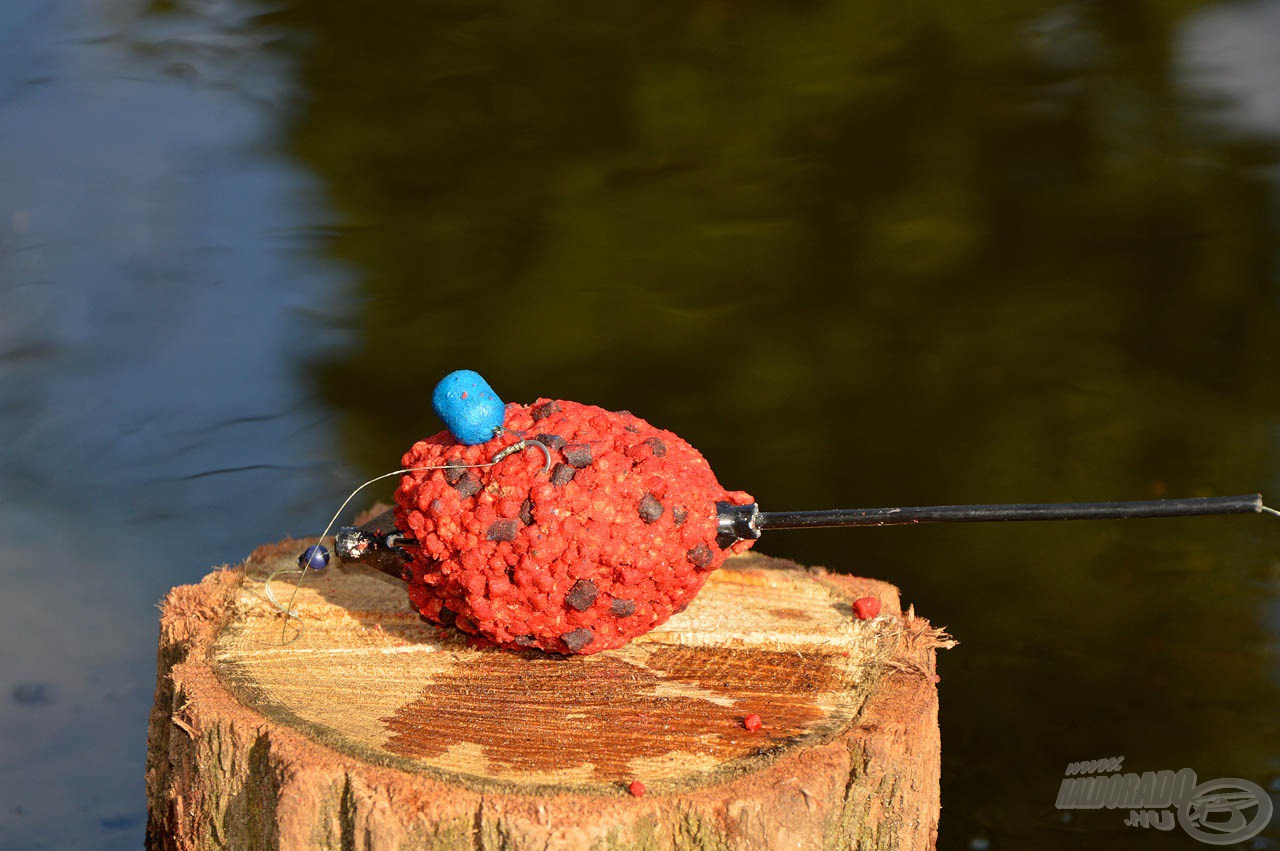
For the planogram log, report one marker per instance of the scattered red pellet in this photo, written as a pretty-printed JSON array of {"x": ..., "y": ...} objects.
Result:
[
  {"x": 752, "y": 722},
  {"x": 637, "y": 789},
  {"x": 616, "y": 538},
  {"x": 866, "y": 608}
]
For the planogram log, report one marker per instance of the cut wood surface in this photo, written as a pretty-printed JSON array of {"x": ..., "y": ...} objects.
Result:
[{"x": 368, "y": 728}]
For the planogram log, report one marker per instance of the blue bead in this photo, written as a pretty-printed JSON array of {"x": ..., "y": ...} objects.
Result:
[
  {"x": 314, "y": 557},
  {"x": 469, "y": 407}
]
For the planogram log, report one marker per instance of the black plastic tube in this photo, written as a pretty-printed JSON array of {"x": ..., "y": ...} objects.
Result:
[{"x": 1244, "y": 504}]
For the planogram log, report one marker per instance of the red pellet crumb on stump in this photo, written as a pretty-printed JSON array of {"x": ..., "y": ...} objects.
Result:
[
  {"x": 637, "y": 789},
  {"x": 616, "y": 538},
  {"x": 752, "y": 722},
  {"x": 866, "y": 608}
]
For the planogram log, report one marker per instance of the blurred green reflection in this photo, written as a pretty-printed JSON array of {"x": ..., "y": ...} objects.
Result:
[{"x": 860, "y": 253}]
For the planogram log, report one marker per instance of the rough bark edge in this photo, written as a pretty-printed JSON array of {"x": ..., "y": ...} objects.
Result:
[{"x": 874, "y": 786}]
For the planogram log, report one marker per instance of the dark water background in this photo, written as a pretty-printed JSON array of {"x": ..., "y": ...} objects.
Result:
[{"x": 859, "y": 253}]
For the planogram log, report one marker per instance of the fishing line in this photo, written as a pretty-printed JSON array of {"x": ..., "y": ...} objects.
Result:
[{"x": 316, "y": 552}]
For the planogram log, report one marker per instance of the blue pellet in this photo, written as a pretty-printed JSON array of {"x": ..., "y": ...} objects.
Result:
[
  {"x": 469, "y": 407},
  {"x": 314, "y": 557}
]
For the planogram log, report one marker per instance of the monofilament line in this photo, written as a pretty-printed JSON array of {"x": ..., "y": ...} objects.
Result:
[{"x": 287, "y": 610}]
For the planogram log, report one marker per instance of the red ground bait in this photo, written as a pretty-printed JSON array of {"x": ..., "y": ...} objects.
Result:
[
  {"x": 866, "y": 608},
  {"x": 617, "y": 537},
  {"x": 637, "y": 789},
  {"x": 752, "y": 722}
]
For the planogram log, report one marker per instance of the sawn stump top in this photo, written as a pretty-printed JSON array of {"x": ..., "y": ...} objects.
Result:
[{"x": 362, "y": 673}]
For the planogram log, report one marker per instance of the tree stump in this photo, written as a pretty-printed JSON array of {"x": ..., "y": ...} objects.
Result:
[{"x": 370, "y": 728}]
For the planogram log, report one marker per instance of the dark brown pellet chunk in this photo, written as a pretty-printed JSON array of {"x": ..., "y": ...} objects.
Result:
[
  {"x": 526, "y": 512},
  {"x": 578, "y": 454},
  {"x": 562, "y": 474},
  {"x": 656, "y": 446},
  {"x": 701, "y": 556},
  {"x": 544, "y": 410},
  {"x": 581, "y": 596},
  {"x": 578, "y": 639},
  {"x": 504, "y": 530},
  {"x": 467, "y": 486},
  {"x": 454, "y": 472},
  {"x": 525, "y": 640},
  {"x": 650, "y": 508},
  {"x": 679, "y": 514},
  {"x": 554, "y": 442},
  {"x": 623, "y": 608}
]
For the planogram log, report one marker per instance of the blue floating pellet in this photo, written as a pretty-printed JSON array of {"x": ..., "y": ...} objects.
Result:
[
  {"x": 469, "y": 407},
  {"x": 314, "y": 557}
]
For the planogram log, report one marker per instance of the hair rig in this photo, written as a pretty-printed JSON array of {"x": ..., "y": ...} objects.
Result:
[{"x": 605, "y": 532}]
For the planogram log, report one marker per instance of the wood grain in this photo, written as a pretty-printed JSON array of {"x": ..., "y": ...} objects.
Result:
[{"x": 364, "y": 708}]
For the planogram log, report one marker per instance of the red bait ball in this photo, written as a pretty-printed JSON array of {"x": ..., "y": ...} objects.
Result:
[
  {"x": 752, "y": 722},
  {"x": 866, "y": 608},
  {"x": 616, "y": 537},
  {"x": 637, "y": 789}
]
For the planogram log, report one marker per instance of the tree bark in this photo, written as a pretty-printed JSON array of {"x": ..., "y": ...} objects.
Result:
[{"x": 358, "y": 725}]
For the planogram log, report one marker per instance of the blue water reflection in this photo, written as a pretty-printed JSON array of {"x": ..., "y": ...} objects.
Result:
[{"x": 159, "y": 293}]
